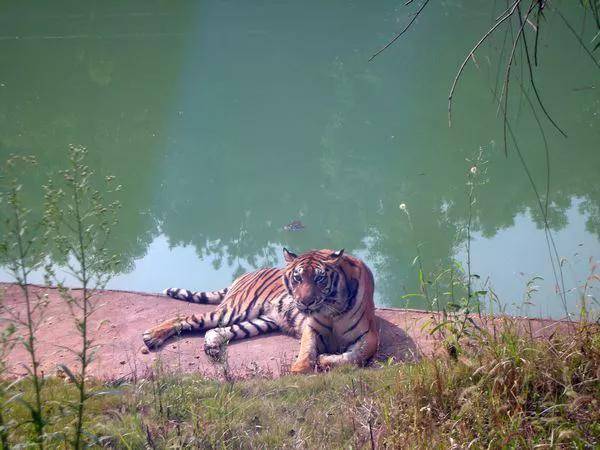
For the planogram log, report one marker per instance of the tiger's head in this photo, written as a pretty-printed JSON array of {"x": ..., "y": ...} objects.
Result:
[{"x": 313, "y": 280}]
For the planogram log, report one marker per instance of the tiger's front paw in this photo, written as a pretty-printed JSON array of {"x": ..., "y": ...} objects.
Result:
[
  {"x": 155, "y": 337},
  {"x": 302, "y": 366},
  {"x": 214, "y": 352},
  {"x": 214, "y": 344},
  {"x": 327, "y": 361}
]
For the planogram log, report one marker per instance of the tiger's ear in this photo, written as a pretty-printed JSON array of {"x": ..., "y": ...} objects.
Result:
[
  {"x": 335, "y": 257},
  {"x": 288, "y": 256}
]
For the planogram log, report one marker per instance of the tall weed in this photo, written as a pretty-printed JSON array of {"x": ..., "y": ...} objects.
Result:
[
  {"x": 81, "y": 221},
  {"x": 22, "y": 250}
]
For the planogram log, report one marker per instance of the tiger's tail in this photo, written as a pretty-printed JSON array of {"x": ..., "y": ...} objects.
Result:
[{"x": 207, "y": 298}]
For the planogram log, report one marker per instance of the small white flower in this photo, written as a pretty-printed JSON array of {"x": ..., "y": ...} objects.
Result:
[
  {"x": 403, "y": 206},
  {"x": 473, "y": 170}
]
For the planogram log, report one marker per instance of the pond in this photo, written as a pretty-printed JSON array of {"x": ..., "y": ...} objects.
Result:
[{"x": 227, "y": 120}]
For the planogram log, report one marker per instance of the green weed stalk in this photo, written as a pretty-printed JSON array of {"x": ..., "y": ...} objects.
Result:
[
  {"x": 6, "y": 345},
  {"x": 80, "y": 222},
  {"x": 22, "y": 251}
]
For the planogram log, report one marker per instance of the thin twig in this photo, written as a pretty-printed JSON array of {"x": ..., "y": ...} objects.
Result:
[
  {"x": 533, "y": 85},
  {"x": 468, "y": 57},
  {"x": 504, "y": 93},
  {"x": 537, "y": 34},
  {"x": 395, "y": 38},
  {"x": 549, "y": 236},
  {"x": 589, "y": 53}
]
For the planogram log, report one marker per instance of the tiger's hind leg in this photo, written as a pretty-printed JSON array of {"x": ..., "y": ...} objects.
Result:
[
  {"x": 157, "y": 335},
  {"x": 216, "y": 339}
]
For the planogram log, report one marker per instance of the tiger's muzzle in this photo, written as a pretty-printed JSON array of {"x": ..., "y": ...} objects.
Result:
[{"x": 308, "y": 306}]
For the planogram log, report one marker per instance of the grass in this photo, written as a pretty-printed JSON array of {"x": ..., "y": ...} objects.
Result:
[
  {"x": 505, "y": 391},
  {"x": 509, "y": 392},
  {"x": 495, "y": 387}
]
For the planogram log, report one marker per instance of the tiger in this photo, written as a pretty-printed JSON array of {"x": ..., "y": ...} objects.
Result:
[{"x": 323, "y": 297}]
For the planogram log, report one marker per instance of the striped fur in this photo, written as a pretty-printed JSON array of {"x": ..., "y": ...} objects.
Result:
[
  {"x": 323, "y": 297},
  {"x": 210, "y": 298}
]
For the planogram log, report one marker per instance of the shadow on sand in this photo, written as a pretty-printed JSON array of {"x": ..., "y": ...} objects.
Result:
[{"x": 395, "y": 343}]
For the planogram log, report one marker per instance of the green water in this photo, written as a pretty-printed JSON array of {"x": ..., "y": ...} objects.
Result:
[{"x": 226, "y": 120}]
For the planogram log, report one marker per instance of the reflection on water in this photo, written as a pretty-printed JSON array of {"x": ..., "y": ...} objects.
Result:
[{"x": 227, "y": 120}]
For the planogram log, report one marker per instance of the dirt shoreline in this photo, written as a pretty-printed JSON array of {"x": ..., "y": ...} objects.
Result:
[{"x": 117, "y": 325}]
